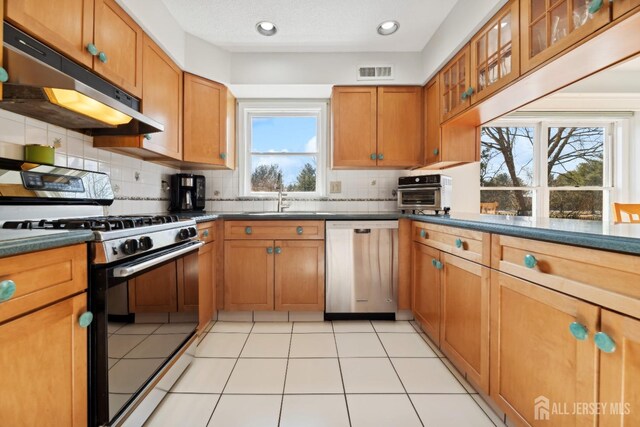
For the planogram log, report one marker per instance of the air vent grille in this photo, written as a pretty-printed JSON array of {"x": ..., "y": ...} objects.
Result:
[{"x": 375, "y": 72}]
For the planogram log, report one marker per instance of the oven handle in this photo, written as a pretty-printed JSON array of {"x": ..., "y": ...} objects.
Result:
[{"x": 133, "y": 269}]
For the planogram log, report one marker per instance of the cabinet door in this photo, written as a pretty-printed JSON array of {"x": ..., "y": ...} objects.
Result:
[
  {"x": 299, "y": 275},
  {"x": 43, "y": 360},
  {"x": 433, "y": 150},
  {"x": 495, "y": 52},
  {"x": 535, "y": 361},
  {"x": 354, "y": 126},
  {"x": 64, "y": 25},
  {"x": 162, "y": 99},
  {"x": 464, "y": 332},
  {"x": 154, "y": 291},
  {"x": 120, "y": 39},
  {"x": 549, "y": 27},
  {"x": 425, "y": 283},
  {"x": 399, "y": 126},
  {"x": 206, "y": 134},
  {"x": 620, "y": 7},
  {"x": 619, "y": 371},
  {"x": 454, "y": 85},
  {"x": 206, "y": 284},
  {"x": 248, "y": 274},
  {"x": 2, "y": 70},
  {"x": 188, "y": 283}
]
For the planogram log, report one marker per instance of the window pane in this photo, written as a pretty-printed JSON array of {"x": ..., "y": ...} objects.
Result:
[
  {"x": 290, "y": 173},
  {"x": 575, "y": 156},
  {"x": 506, "y": 202},
  {"x": 506, "y": 158},
  {"x": 284, "y": 134},
  {"x": 576, "y": 205}
]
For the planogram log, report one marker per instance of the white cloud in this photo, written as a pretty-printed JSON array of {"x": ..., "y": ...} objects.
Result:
[{"x": 312, "y": 145}]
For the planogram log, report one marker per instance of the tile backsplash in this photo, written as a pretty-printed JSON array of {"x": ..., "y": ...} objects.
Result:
[{"x": 138, "y": 184}]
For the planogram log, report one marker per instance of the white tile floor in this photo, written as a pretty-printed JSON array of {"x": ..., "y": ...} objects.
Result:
[{"x": 324, "y": 374}]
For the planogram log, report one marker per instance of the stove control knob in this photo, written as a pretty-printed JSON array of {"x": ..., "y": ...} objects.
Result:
[
  {"x": 192, "y": 232},
  {"x": 183, "y": 234},
  {"x": 130, "y": 246},
  {"x": 145, "y": 243}
]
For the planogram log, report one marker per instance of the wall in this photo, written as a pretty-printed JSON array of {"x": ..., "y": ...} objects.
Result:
[{"x": 465, "y": 196}]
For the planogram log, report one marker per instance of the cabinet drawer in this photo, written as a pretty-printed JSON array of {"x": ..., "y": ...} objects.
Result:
[
  {"x": 42, "y": 278},
  {"x": 472, "y": 245},
  {"x": 207, "y": 231},
  {"x": 606, "y": 278},
  {"x": 276, "y": 230}
]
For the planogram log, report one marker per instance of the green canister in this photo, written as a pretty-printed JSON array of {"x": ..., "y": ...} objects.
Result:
[{"x": 43, "y": 154}]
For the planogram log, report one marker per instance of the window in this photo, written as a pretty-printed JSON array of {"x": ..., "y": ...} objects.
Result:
[
  {"x": 548, "y": 169},
  {"x": 284, "y": 145}
]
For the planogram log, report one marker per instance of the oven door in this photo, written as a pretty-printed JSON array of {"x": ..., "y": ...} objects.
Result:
[
  {"x": 419, "y": 198},
  {"x": 145, "y": 311}
]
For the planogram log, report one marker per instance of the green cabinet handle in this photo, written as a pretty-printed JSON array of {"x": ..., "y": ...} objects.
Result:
[
  {"x": 7, "y": 289},
  {"x": 604, "y": 342},
  {"x": 579, "y": 331},
  {"x": 205, "y": 233},
  {"x": 147, "y": 136},
  {"x": 380, "y": 156},
  {"x": 459, "y": 243},
  {"x": 278, "y": 250},
  {"x": 92, "y": 49},
  {"x": 435, "y": 151},
  {"x": 595, "y": 6},
  {"x": 299, "y": 230},
  {"x": 85, "y": 319},
  {"x": 248, "y": 230},
  {"x": 437, "y": 264},
  {"x": 530, "y": 261},
  {"x": 223, "y": 156},
  {"x": 433, "y": 262},
  {"x": 464, "y": 95},
  {"x": 470, "y": 91},
  {"x": 372, "y": 156},
  {"x": 4, "y": 76},
  {"x": 423, "y": 234},
  {"x": 269, "y": 250},
  {"x": 102, "y": 57}
]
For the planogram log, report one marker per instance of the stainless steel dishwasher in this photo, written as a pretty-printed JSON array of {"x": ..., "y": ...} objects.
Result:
[{"x": 362, "y": 269}]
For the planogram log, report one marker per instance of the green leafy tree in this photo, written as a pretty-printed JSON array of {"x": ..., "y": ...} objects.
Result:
[
  {"x": 267, "y": 178},
  {"x": 306, "y": 179}
]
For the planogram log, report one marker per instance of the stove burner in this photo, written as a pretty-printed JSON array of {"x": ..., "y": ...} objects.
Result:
[{"x": 103, "y": 223}]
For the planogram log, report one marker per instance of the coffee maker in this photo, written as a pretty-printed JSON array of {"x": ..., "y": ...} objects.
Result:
[{"x": 187, "y": 193}]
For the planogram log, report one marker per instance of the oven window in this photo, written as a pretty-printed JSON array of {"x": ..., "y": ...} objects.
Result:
[{"x": 419, "y": 197}]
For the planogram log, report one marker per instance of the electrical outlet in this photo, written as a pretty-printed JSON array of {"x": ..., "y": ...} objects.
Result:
[{"x": 335, "y": 187}]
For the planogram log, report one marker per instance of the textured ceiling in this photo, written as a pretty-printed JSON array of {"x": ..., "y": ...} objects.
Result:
[{"x": 311, "y": 25}]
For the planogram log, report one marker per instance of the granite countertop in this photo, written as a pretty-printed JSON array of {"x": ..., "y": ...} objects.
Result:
[{"x": 14, "y": 242}]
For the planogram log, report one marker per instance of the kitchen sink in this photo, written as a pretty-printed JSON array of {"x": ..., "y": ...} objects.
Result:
[{"x": 288, "y": 213}]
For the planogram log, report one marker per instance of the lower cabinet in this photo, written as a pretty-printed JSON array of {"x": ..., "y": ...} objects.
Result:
[
  {"x": 299, "y": 275},
  {"x": 248, "y": 274},
  {"x": 425, "y": 285},
  {"x": 206, "y": 284},
  {"x": 43, "y": 359}
]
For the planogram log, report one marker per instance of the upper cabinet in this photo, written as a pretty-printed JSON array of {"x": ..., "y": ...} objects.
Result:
[
  {"x": 377, "y": 126},
  {"x": 99, "y": 35},
  {"x": 549, "y": 27},
  {"x": 455, "y": 85},
  {"x": 495, "y": 53},
  {"x": 620, "y": 7},
  {"x": 209, "y": 123},
  {"x": 432, "y": 149},
  {"x": 3, "y": 73}
]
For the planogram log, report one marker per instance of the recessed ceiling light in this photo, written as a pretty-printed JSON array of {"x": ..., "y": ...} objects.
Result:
[
  {"x": 388, "y": 27},
  {"x": 266, "y": 28}
]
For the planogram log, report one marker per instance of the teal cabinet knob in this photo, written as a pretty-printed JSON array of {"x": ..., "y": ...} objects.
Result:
[
  {"x": 299, "y": 230},
  {"x": 205, "y": 233},
  {"x": 248, "y": 230},
  {"x": 604, "y": 342},
  {"x": 579, "y": 331},
  {"x": 269, "y": 250},
  {"x": 147, "y": 136},
  {"x": 470, "y": 91},
  {"x": 435, "y": 151},
  {"x": 459, "y": 243},
  {"x": 530, "y": 261},
  {"x": 102, "y": 57},
  {"x": 92, "y": 49},
  {"x": 595, "y": 6},
  {"x": 438, "y": 265},
  {"x": 4, "y": 76},
  {"x": 433, "y": 262},
  {"x": 85, "y": 319},
  {"x": 380, "y": 156},
  {"x": 223, "y": 156},
  {"x": 373, "y": 156},
  {"x": 423, "y": 234},
  {"x": 7, "y": 289},
  {"x": 464, "y": 96},
  {"x": 278, "y": 250}
]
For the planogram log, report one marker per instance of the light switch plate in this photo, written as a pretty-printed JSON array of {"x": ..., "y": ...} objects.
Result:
[{"x": 335, "y": 187}]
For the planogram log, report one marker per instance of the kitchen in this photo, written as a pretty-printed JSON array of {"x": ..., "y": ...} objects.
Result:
[{"x": 317, "y": 265}]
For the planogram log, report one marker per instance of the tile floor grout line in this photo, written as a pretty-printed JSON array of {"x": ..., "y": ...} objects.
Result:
[
  {"x": 344, "y": 390},
  {"x": 284, "y": 384},
  {"x": 398, "y": 375}
]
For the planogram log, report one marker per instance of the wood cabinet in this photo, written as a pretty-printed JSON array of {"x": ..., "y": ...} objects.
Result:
[
  {"x": 455, "y": 82},
  {"x": 432, "y": 136},
  {"x": 425, "y": 285},
  {"x": 2, "y": 69},
  {"x": 377, "y": 127},
  {"x": 207, "y": 274},
  {"x": 621, "y": 7},
  {"x": 548, "y": 28},
  {"x": 495, "y": 52},
  {"x": 469, "y": 244},
  {"x": 287, "y": 265},
  {"x": 188, "y": 286},
  {"x": 209, "y": 123},
  {"x": 72, "y": 26},
  {"x": 535, "y": 361}
]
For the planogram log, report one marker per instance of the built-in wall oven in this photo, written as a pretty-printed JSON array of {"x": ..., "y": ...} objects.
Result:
[{"x": 423, "y": 193}]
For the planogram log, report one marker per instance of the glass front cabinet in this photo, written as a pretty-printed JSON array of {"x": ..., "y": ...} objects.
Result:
[
  {"x": 455, "y": 85},
  {"x": 551, "y": 26},
  {"x": 495, "y": 53}
]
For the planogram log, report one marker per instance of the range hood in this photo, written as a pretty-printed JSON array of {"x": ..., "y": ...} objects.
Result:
[{"x": 47, "y": 86}]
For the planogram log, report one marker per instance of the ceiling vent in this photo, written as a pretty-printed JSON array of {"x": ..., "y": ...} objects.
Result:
[{"x": 375, "y": 72}]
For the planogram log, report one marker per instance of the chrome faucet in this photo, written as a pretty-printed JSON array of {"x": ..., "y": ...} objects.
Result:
[{"x": 282, "y": 205}]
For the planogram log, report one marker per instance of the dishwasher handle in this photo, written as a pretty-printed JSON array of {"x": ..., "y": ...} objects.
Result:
[{"x": 362, "y": 230}]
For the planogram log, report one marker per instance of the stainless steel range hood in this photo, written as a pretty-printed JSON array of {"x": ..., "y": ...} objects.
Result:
[{"x": 47, "y": 86}]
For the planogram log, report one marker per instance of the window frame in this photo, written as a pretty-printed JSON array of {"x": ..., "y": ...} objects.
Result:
[{"x": 278, "y": 108}]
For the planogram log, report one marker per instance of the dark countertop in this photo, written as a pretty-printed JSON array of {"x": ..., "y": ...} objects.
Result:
[{"x": 14, "y": 242}]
